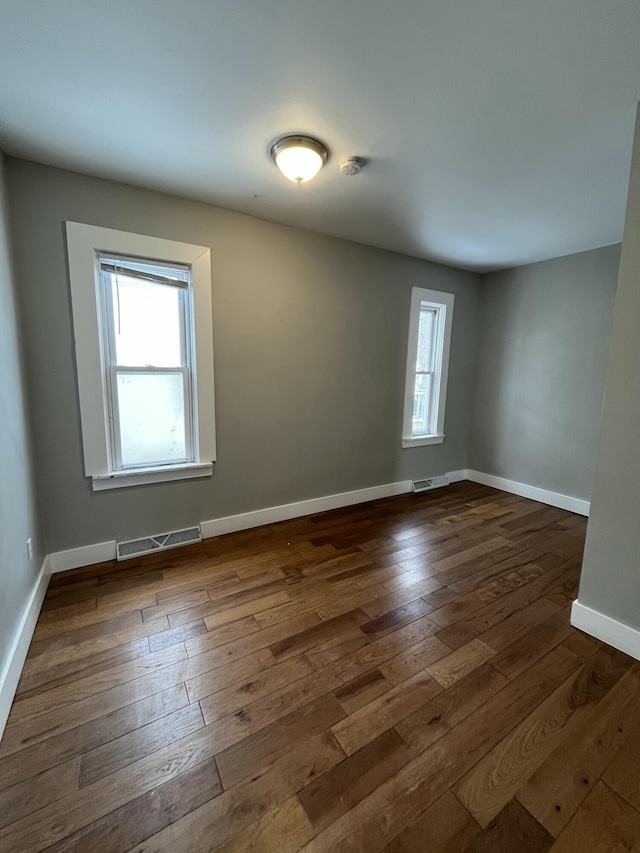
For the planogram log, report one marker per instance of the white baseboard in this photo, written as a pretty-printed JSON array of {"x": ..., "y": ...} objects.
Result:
[
  {"x": 20, "y": 646},
  {"x": 271, "y": 515},
  {"x": 87, "y": 555},
  {"x": 609, "y": 630},
  {"x": 577, "y": 505}
]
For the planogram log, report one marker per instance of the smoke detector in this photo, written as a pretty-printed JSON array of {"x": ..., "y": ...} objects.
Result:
[{"x": 351, "y": 166}]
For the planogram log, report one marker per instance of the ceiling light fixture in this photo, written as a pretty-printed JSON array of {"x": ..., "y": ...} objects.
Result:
[{"x": 299, "y": 158}]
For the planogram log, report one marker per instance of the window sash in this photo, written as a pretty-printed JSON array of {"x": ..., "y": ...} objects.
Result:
[
  {"x": 432, "y": 313},
  {"x": 111, "y": 370},
  {"x": 434, "y": 359},
  {"x": 427, "y": 370},
  {"x": 428, "y": 405}
]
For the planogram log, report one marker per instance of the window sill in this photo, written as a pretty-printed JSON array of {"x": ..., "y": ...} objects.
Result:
[
  {"x": 141, "y": 476},
  {"x": 420, "y": 440}
]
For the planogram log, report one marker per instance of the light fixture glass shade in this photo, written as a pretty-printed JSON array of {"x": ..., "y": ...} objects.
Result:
[{"x": 299, "y": 158}]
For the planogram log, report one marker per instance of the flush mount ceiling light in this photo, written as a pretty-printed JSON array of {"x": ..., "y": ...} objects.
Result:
[{"x": 299, "y": 158}]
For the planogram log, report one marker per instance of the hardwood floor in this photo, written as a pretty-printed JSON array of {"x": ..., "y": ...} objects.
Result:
[{"x": 395, "y": 676}]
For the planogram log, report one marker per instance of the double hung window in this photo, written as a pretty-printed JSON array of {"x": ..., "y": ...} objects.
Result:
[
  {"x": 430, "y": 324},
  {"x": 142, "y": 323},
  {"x": 147, "y": 310}
]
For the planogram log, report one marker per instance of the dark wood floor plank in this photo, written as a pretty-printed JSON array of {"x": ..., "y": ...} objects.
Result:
[
  {"x": 395, "y": 619},
  {"x": 38, "y": 791},
  {"x": 622, "y": 773},
  {"x": 256, "y": 751},
  {"x": 469, "y": 576},
  {"x": 445, "y": 827},
  {"x": 142, "y": 741},
  {"x": 514, "y": 829},
  {"x": 234, "y": 697},
  {"x": 413, "y": 659},
  {"x": 496, "y": 611},
  {"x": 221, "y": 636},
  {"x": 526, "y": 650},
  {"x": 505, "y": 632},
  {"x": 249, "y": 608},
  {"x": 163, "y": 639},
  {"x": 337, "y": 647},
  {"x": 404, "y": 595},
  {"x": 316, "y": 634},
  {"x": 459, "y": 663},
  {"x": 605, "y": 823},
  {"x": 360, "y": 691},
  {"x": 365, "y": 724},
  {"x": 329, "y": 797},
  {"x": 285, "y": 829},
  {"x": 455, "y": 635},
  {"x": 144, "y": 816}
]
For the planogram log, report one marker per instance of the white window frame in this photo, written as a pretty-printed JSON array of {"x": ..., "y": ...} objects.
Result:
[
  {"x": 85, "y": 243},
  {"x": 442, "y": 304}
]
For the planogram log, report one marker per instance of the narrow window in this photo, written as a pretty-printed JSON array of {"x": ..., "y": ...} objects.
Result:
[{"x": 430, "y": 324}]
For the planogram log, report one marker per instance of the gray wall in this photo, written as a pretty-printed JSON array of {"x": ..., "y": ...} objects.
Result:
[
  {"x": 18, "y": 515},
  {"x": 310, "y": 336},
  {"x": 544, "y": 340},
  {"x": 610, "y": 581}
]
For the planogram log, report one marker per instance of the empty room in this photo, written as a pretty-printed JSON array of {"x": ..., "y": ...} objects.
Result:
[{"x": 319, "y": 418}]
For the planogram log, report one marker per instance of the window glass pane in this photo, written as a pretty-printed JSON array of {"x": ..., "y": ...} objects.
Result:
[
  {"x": 425, "y": 339},
  {"x": 421, "y": 395},
  {"x": 147, "y": 323},
  {"x": 152, "y": 418}
]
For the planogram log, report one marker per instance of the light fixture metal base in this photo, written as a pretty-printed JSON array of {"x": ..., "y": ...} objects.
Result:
[{"x": 298, "y": 141}]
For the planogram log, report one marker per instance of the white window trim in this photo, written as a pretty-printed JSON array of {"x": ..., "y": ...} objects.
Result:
[
  {"x": 443, "y": 303},
  {"x": 84, "y": 242}
]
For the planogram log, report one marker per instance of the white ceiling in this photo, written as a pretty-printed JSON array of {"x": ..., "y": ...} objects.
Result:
[{"x": 497, "y": 131}]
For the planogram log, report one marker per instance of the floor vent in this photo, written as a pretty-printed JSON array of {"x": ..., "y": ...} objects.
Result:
[
  {"x": 158, "y": 542},
  {"x": 430, "y": 483}
]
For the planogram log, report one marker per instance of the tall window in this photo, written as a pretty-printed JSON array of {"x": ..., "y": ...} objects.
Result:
[
  {"x": 430, "y": 324},
  {"x": 148, "y": 354},
  {"x": 142, "y": 325}
]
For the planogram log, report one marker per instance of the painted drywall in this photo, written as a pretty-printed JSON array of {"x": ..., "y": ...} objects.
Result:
[
  {"x": 18, "y": 506},
  {"x": 610, "y": 581},
  {"x": 545, "y": 333},
  {"x": 310, "y": 337}
]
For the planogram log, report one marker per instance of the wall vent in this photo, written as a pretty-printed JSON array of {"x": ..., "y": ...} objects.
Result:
[
  {"x": 430, "y": 483},
  {"x": 157, "y": 542}
]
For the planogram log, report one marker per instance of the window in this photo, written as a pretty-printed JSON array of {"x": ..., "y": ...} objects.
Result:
[
  {"x": 427, "y": 367},
  {"x": 142, "y": 325}
]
